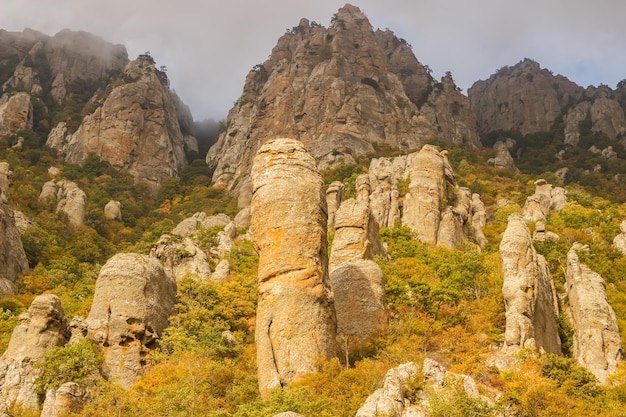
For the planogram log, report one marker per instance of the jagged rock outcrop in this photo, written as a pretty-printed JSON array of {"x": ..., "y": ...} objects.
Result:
[
  {"x": 545, "y": 198},
  {"x": 503, "y": 158},
  {"x": 16, "y": 113},
  {"x": 430, "y": 182},
  {"x": 181, "y": 258},
  {"x": 136, "y": 127},
  {"x": 295, "y": 323},
  {"x": 597, "y": 343},
  {"x": 357, "y": 280},
  {"x": 574, "y": 117},
  {"x": 191, "y": 225},
  {"x": 113, "y": 210},
  {"x": 71, "y": 200},
  {"x": 523, "y": 98},
  {"x": 391, "y": 399},
  {"x": 619, "y": 242},
  {"x": 339, "y": 90},
  {"x": 132, "y": 302},
  {"x": 68, "y": 398},
  {"x": 529, "y": 293},
  {"x": 42, "y": 328}
]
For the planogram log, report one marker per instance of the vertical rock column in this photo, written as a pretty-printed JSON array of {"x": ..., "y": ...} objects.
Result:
[
  {"x": 597, "y": 343},
  {"x": 295, "y": 324},
  {"x": 528, "y": 291}
]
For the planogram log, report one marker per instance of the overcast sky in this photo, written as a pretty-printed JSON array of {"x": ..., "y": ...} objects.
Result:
[{"x": 209, "y": 46}]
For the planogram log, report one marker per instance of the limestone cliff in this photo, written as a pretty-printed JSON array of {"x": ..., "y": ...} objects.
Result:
[
  {"x": 135, "y": 128},
  {"x": 339, "y": 90}
]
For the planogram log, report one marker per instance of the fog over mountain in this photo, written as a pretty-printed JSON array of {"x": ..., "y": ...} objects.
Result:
[{"x": 208, "y": 47}]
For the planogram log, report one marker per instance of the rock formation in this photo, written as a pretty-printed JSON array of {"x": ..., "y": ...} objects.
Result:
[
  {"x": 113, "y": 210},
  {"x": 132, "y": 302},
  {"x": 181, "y": 258},
  {"x": 523, "y": 98},
  {"x": 42, "y": 328},
  {"x": 340, "y": 90},
  {"x": 16, "y": 113},
  {"x": 71, "y": 199},
  {"x": 529, "y": 293},
  {"x": 136, "y": 127},
  {"x": 619, "y": 242},
  {"x": 503, "y": 158},
  {"x": 544, "y": 199},
  {"x": 389, "y": 400},
  {"x": 357, "y": 280},
  {"x": 295, "y": 323},
  {"x": 68, "y": 398},
  {"x": 597, "y": 343},
  {"x": 13, "y": 259},
  {"x": 334, "y": 197},
  {"x": 191, "y": 225}
]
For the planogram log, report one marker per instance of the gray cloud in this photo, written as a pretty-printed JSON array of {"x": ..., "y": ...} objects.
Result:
[{"x": 209, "y": 46}]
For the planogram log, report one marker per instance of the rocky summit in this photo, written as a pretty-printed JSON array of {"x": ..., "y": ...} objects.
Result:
[{"x": 341, "y": 91}]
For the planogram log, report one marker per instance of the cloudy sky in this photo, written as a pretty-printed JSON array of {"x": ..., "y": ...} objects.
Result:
[{"x": 209, "y": 46}]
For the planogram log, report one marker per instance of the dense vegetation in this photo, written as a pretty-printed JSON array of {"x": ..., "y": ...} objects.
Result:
[{"x": 444, "y": 304}]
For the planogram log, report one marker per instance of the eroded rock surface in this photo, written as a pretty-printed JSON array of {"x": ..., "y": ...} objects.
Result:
[
  {"x": 132, "y": 302},
  {"x": 296, "y": 324},
  {"x": 503, "y": 158},
  {"x": 529, "y": 293},
  {"x": 68, "y": 398},
  {"x": 181, "y": 258},
  {"x": 619, "y": 242},
  {"x": 44, "y": 327},
  {"x": 16, "y": 113},
  {"x": 597, "y": 343},
  {"x": 113, "y": 210}
]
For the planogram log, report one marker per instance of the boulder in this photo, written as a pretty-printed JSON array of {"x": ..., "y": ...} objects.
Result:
[
  {"x": 44, "y": 327},
  {"x": 222, "y": 271},
  {"x": 619, "y": 242},
  {"x": 597, "y": 343},
  {"x": 242, "y": 219},
  {"x": 132, "y": 302},
  {"x": 503, "y": 158},
  {"x": 71, "y": 200},
  {"x": 389, "y": 400},
  {"x": 296, "y": 322},
  {"x": 113, "y": 210},
  {"x": 529, "y": 293}
]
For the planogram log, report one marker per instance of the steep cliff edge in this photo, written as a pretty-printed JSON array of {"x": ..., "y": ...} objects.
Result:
[{"x": 340, "y": 90}]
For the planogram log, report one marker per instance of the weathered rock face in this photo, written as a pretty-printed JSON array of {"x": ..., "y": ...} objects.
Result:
[
  {"x": 295, "y": 324},
  {"x": 503, "y": 158},
  {"x": 16, "y": 113},
  {"x": 338, "y": 90},
  {"x": 529, "y": 294},
  {"x": 597, "y": 343},
  {"x": 71, "y": 200},
  {"x": 523, "y": 98},
  {"x": 132, "y": 302},
  {"x": 573, "y": 118},
  {"x": 81, "y": 55},
  {"x": 136, "y": 128},
  {"x": 545, "y": 198},
  {"x": 334, "y": 197},
  {"x": 68, "y": 398},
  {"x": 42, "y": 328},
  {"x": 181, "y": 257},
  {"x": 5, "y": 182},
  {"x": 13, "y": 259},
  {"x": 113, "y": 210}
]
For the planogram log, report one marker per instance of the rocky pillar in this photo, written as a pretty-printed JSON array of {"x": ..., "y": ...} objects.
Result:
[{"x": 296, "y": 323}]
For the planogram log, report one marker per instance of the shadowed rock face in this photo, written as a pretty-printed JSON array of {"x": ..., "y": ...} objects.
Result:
[
  {"x": 295, "y": 324},
  {"x": 597, "y": 343},
  {"x": 136, "y": 128},
  {"x": 339, "y": 90},
  {"x": 44, "y": 327},
  {"x": 528, "y": 291},
  {"x": 132, "y": 302}
]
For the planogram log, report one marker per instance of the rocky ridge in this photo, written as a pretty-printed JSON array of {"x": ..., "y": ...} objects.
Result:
[{"x": 341, "y": 91}]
